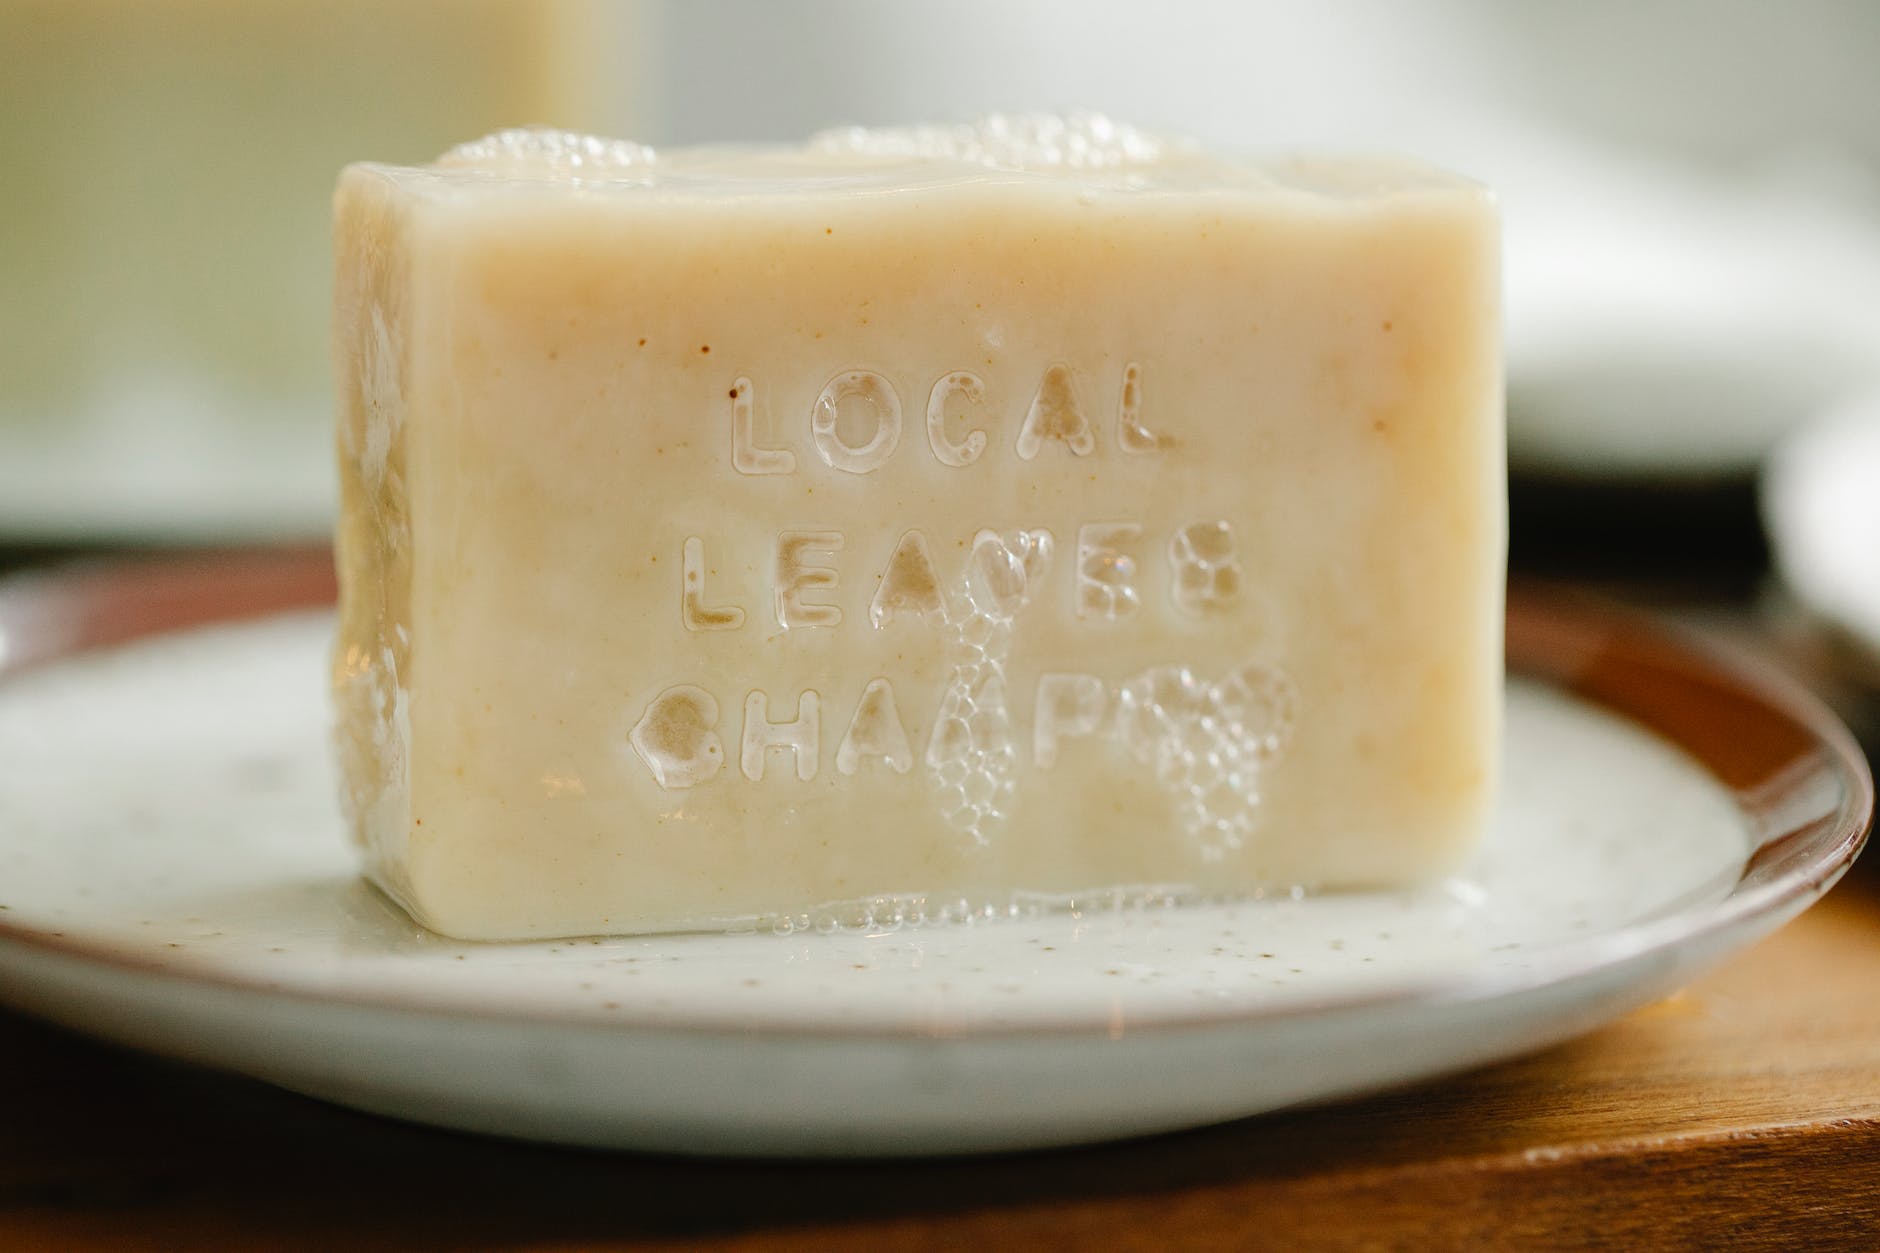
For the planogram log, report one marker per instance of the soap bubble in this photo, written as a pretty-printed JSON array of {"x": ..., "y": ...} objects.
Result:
[
  {"x": 545, "y": 150},
  {"x": 1026, "y": 141}
]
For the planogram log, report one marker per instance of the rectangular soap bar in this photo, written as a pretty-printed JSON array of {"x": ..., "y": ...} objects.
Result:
[{"x": 912, "y": 525}]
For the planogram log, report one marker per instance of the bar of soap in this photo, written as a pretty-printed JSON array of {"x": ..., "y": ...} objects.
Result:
[{"x": 911, "y": 526}]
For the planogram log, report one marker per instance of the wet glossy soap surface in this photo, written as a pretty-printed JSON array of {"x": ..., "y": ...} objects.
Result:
[{"x": 978, "y": 513}]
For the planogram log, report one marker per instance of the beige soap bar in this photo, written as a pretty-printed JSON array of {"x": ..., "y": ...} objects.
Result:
[{"x": 910, "y": 525}]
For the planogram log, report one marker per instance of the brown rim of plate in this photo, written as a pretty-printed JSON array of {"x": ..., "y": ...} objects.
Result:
[{"x": 1760, "y": 734}]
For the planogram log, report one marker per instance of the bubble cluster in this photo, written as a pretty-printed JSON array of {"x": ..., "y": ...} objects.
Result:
[
  {"x": 1208, "y": 744},
  {"x": 1106, "y": 575},
  {"x": 1029, "y": 141},
  {"x": 973, "y": 753},
  {"x": 919, "y": 910},
  {"x": 545, "y": 150},
  {"x": 1207, "y": 573}
]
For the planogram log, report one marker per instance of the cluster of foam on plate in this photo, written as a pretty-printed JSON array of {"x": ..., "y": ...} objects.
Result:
[
  {"x": 1030, "y": 141},
  {"x": 914, "y": 910}
]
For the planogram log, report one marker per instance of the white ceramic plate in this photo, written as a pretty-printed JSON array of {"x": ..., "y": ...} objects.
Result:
[{"x": 173, "y": 875}]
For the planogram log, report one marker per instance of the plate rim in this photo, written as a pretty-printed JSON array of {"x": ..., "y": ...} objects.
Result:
[{"x": 53, "y": 615}]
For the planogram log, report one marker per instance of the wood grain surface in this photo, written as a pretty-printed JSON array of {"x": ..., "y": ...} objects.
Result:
[{"x": 1742, "y": 1113}]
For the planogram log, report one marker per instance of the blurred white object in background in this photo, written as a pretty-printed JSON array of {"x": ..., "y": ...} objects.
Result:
[
  {"x": 1669, "y": 320},
  {"x": 1821, "y": 503}
]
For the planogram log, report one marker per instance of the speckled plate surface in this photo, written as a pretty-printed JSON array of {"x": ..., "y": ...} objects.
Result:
[{"x": 173, "y": 875}]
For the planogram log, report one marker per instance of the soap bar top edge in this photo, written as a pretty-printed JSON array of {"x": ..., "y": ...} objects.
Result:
[{"x": 538, "y": 161}]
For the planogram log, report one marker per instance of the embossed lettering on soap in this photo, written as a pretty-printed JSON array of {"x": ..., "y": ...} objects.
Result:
[{"x": 1204, "y": 739}]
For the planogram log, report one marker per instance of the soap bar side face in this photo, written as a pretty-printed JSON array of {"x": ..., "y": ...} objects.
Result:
[
  {"x": 373, "y": 334},
  {"x": 953, "y": 542}
]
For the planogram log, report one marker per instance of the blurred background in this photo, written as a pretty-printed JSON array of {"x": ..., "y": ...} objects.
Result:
[{"x": 1691, "y": 188}]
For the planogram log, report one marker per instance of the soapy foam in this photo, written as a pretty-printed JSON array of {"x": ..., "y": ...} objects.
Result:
[
  {"x": 1027, "y": 141},
  {"x": 545, "y": 150},
  {"x": 973, "y": 754}
]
